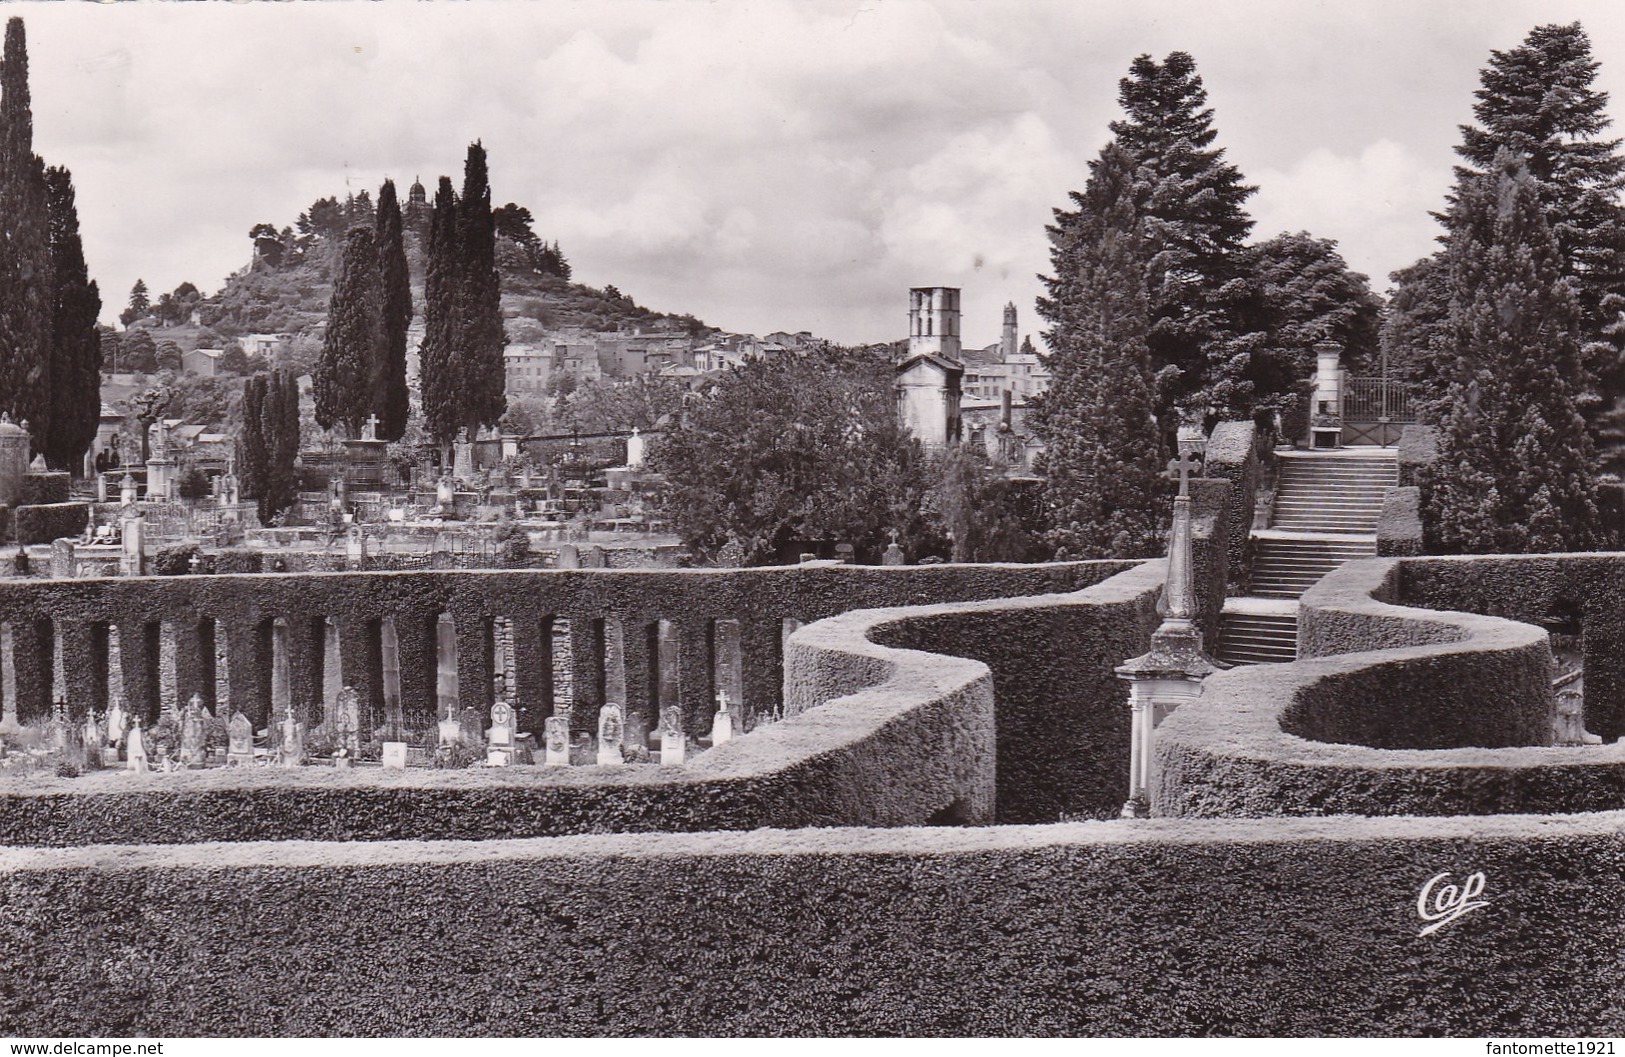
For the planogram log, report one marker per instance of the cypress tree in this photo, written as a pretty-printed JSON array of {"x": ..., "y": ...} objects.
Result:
[
  {"x": 77, "y": 353},
  {"x": 390, "y": 399},
  {"x": 437, "y": 380},
  {"x": 270, "y": 441},
  {"x": 25, "y": 257},
  {"x": 478, "y": 355},
  {"x": 1104, "y": 493},
  {"x": 1193, "y": 205},
  {"x": 1516, "y": 467},
  {"x": 354, "y": 342}
]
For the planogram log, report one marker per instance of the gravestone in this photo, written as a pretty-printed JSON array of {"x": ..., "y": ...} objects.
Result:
[
  {"x": 595, "y": 558},
  {"x": 722, "y": 727},
  {"x": 569, "y": 556},
  {"x": 136, "y": 752},
  {"x": 556, "y": 731},
  {"x": 94, "y": 737},
  {"x": 194, "y": 752},
  {"x": 117, "y": 719},
  {"x": 499, "y": 743},
  {"x": 844, "y": 552},
  {"x": 355, "y": 548},
  {"x": 451, "y": 731},
  {"x": 347, "y": 719},
  {"x": 673, "y": 742},
  {"x": 394, "y": 755},
  {"x": 292, "y": 752},
  {"x": 894, "y": 553},
  {"x": 611, "y": 732},
  {"x": 132, "y": 537},
  {"x": 240, "y": 741},
  {"x": 62, "y": 559}
]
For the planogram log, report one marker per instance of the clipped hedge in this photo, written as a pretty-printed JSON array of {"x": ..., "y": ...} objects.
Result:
[
  {"x": 44, "y": 488},
  {"x": 1418, "y": 448},
  {"x": 53, "y": 521},
  {"x": 1399, "y": 526},
  {"x": 1232, "y": 456},
  {"x": 1172, "y": 927},
  {"x": 1428, "y": 690}
]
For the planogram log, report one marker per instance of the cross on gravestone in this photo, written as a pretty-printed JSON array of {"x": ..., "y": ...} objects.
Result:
[
  {"x": 1182, "y": 468},
  {"x": 370, "y": 430},
  {"x": 557, "y": 733},
  {"x": 722, "y": 727}
]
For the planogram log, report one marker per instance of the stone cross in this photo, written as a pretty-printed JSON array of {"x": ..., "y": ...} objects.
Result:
[
  {"x": 722, "y": 727},
  {"x": 1182, "y": 468},
  {"x": 370, "y": 430},
  {"x": 611, "y": 732}
]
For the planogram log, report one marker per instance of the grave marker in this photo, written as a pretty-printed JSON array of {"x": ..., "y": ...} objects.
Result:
[
  {"x": 673, "y": 742},
  {"x": 499, "y": 743},
  {"x": 394, "y": 757},
  {"x": 136, "y": 752},
  {"x": 556, "y": 729},
  {"x": 722, "y": 727},
  {"x": 292, "y": 753},
  {"x": 240, "y": 741},
  {"x": 611, "y": 731}
]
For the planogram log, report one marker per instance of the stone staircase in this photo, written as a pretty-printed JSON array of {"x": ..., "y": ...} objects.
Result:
[{"x": 1326, "y": 510}]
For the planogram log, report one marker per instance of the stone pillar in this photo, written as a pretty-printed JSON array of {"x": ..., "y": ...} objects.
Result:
[
  {"x": 1171, "y": 673},
  {"x": 281, "y": 672},
  {"x": 532, "y": 698},
  {"x": 446, "y": 686},
  {"x": 248, "y": 662},
  {"x": 332, "y": 670},
  {"x": 586, "y": 672},
  {"x": 389, "y": 649},
  {"x": 133, "y": 557},
  {"x": 86, "y": 677},
  {"x": 139, "y": 647},
  {"x": 698, "y": 693}
]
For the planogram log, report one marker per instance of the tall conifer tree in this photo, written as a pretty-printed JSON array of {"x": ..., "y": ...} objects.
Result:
[
  {"x": 390, "y": 399},
  {"x": 354, "y": 342},
  {"x": 270, "y": 441},
  {"x": 25, "y": 257},
  {"x": 1515, "y": 468},
  {"x": 1195, "y": 218},
  {"x": 77, "y": 353},
  {"x": 1104, "y": 456},
  {"x": 442, "y": 321},
  {"x": 479, "y": 353}
]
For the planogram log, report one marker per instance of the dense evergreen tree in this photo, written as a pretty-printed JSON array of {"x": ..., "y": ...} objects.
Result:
[
  {"x": 479, "y": 367},
  {"x": 168, "y": 355},
  {"x": 1193, "y": 206},
  {"x": 1295, "y": 291},
  {"x": 1104, "y": 492},
  {"x": 270, "y": 441},
  {"x": 801, "y": 447},
  {"x": 77, "y": 346},
  {"x": 140, "y": 303},
  {"x": 1537, "y": 100},
  {"x": 354, "y": 341},
  {"x": 442, "y": 408},
  {"x": 975, "y": 509},
  {"x": 1515, "y": 468},
  {"x": 138, "y": 352},
  {"x": 25, "y": 255},
  {"x": 391, "y": 402}
]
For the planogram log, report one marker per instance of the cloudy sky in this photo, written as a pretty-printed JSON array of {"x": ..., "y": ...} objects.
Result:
[{"x": 762, "y": 164}]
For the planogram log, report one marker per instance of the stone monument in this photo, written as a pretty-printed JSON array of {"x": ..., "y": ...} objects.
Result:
[
  {"x": 722, "y": 727},
  {"x": 673, "y": 741},
  {"x": 499, "y": 739},
  {"x": 611, "y": 732},
  {"x": 556, "y": 732},
  {"x": 292, "y": 752},
  {"x": 240, "y": 741},
  {"x": 135, "y": 752}
]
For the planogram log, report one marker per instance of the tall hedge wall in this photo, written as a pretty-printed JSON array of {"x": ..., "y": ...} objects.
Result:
[
  {"x": 1172, "y": 927},
  {"x": 42, "y": 524}
]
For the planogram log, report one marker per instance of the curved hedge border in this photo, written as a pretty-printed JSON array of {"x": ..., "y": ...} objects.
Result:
[
  {"x": 1427, "y": 686},
  {"x": 903, "y": 738},
  {"x": 1164, "y": 927}
]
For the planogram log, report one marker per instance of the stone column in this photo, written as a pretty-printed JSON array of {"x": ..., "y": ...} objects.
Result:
[{"x": 1171, "y": 673}]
